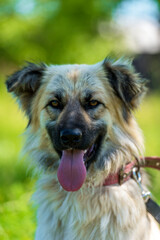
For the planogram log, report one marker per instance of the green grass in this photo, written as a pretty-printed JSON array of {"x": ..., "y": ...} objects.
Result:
[
  {"x": 148, "y": 118},
  {"x": 17, "y": 217}
]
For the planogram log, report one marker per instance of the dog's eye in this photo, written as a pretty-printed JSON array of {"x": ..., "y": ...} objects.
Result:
[
  {"x": 93, "y": 103},
  {"x": 55, "y": 104}
]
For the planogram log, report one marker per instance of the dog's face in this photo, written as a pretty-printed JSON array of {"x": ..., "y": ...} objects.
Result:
[
  {"x": 74, "y": 110},
  {"x": 75, "y": 113}
]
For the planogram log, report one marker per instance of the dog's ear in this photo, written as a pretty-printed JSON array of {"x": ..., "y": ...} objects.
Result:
[
  {"x": 24, "y": 84},
  {"x": 126, "y": 83}
]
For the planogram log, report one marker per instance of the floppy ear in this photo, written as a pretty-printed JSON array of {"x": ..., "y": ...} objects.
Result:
[
  {"x": 24, "y": 84},
  {"x": 126, "y": 83}
]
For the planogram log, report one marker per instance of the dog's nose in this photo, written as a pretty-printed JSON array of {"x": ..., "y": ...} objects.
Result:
[{"x": 70, "y": 136}]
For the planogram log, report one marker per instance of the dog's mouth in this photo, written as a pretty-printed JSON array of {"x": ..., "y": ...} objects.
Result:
[
  {"x": 89, "y": 153},
  {"x": 72, "y": 170}
]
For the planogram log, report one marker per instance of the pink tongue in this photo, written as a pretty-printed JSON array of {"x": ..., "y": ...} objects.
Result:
[{"x": 72, "y": 171}]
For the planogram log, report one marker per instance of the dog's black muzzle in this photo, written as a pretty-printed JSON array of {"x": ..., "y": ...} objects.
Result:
[
  {"x": 70, "y": 137},
  {"x": 76, "y": 138},
  {"x": 83, "y": 138}
]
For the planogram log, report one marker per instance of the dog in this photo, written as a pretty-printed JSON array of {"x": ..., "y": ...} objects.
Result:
[{"x": 81, "y": 129}]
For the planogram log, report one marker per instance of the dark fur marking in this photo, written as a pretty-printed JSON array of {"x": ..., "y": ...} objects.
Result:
[
  {"x": 126, "y": 114},
  {"x": 59, "y": 95},
  {"x": 47, "y": 161},
  {"x": 72, "y": 116},
  {"x": 25, "y": 80},
  {"x": 126, "y": 84},
  {"x": 25, "y": 83},
  {"x": 29, "y": 122},
  {"x": 102, "y": 160},
  {"x": 88, "y": 94},
  {"x": 122, "y": 85}
]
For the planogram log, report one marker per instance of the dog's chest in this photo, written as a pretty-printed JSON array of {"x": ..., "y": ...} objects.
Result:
[{"x": 87, "y": 215}]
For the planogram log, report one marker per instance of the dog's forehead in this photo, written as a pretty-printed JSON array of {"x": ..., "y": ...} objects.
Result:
[{"x": 74, "y": 78}]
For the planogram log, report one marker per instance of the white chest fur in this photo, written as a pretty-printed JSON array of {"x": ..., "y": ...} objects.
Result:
[{"x": 112, "y": 213}]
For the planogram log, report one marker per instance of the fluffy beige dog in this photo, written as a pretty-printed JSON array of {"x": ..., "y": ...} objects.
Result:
[{"x": 81, "y": 132}]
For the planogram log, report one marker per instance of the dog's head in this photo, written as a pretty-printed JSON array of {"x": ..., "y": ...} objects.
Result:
[{"x": 79, "y": 114}]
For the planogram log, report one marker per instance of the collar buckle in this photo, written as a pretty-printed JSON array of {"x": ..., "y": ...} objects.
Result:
[{"x": 123, "y": 176}]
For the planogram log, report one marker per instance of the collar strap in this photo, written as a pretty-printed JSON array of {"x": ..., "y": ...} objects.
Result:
[{"x": 124, "y": 174}]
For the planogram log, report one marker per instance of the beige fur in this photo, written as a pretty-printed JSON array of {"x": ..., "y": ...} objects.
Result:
[{"x": 94, "y": 212}]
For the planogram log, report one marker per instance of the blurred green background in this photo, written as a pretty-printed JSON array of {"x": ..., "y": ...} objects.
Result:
[{"x": 59, "y": 32}]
